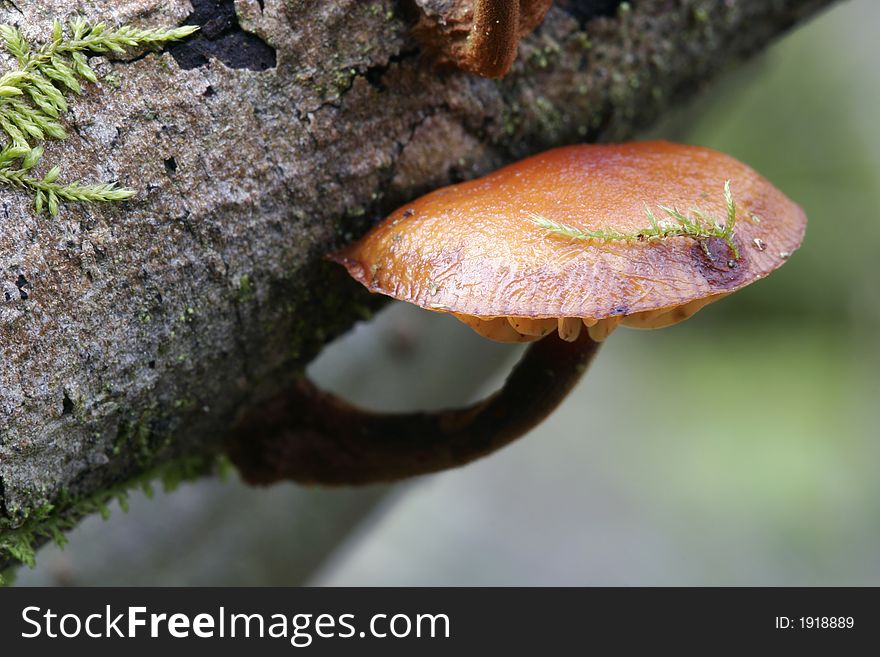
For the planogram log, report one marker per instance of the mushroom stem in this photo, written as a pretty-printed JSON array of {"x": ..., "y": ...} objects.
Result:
[
  {"x": 493, "y": 38},
  {"x": 311, "y": 436}
]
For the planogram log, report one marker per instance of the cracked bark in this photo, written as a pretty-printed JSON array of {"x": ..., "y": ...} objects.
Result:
[{"x": 131, "y": 335}]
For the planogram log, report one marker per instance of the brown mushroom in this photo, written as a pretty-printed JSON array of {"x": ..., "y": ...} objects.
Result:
[
  {"x": 510, "y": 254},
  {"x": 479, "y": 36},
  {"x": 557, "y": 249}
]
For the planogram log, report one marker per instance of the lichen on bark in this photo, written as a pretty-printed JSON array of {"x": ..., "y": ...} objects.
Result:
[{"x": 130, "y": 336}]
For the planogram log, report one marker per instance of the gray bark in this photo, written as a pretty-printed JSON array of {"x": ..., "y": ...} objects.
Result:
[{"x": 132, "y": 334}]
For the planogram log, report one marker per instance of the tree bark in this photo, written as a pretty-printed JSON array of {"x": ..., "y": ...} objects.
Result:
[{"x": 132, "y": 334}]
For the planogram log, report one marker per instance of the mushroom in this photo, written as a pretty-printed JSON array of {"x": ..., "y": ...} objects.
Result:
[
  {"x": 479, "y": 36},
  {"x": 556, "y": 250}
]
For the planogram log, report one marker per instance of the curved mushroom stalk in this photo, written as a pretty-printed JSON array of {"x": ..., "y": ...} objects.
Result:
[{"x": 311, "y": 436}]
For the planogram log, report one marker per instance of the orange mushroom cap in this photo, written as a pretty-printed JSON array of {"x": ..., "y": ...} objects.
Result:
[{"x": 475, "y": 249}]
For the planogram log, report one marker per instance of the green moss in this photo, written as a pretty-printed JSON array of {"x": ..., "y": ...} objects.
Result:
[
  {"x": 144, "y": 435},
  {"x": 511, "y": 119},
  {"x": 377, "y": 9},
  {"x": 8, "y": 576},
  {"x": 343, "y": 79},
  {"x": 185, "y": 404},
  {"x": 245, "y": 289},
  {"x": 113, "y": 79},
  {"x": 698, "y": 226},
  {"x": 550, "y": 118},
  {"x": 33, "y": 101},
  {"x": 541, "y": 58},
  {"x": 187, "y": 315},
  {"x": 700, "y": 14},
  {"x": 51, "y": 521},
  {"x": 582, "y": 40}
]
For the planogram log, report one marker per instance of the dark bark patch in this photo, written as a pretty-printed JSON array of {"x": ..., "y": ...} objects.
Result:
[
  {"x": 22, "y": 283},
  {"x": 586, "y": 10},
  {"x": 222, "y": 37},
  {"x": 66, "y": 405},
  {"x": 374, "y": 74}
]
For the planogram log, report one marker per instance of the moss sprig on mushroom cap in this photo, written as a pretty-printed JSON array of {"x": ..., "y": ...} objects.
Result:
[{"x": 698, "y": 227}]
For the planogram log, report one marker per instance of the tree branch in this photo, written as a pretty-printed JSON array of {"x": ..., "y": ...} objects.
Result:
[{"x": 132, "y": 335}]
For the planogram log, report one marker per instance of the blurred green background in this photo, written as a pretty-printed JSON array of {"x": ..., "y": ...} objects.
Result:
[{"x": 739, "y": 448}]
